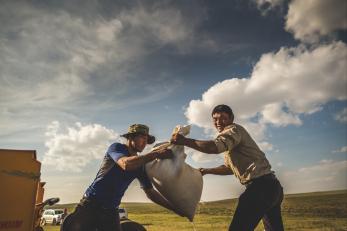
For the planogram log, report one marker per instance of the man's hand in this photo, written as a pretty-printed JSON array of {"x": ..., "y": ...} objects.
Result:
[
  {"x": 220, "y": 170},
  {"x": 178, "y": 139},
  {"x": 203, "y": 171},
  {"x": 164, "y": 153}
]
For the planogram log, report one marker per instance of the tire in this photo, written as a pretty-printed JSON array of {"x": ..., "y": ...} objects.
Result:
[
  {"x": 54, "y": 222},
  {"x": 128, "y": 225},
  {"x": 66, "y": 223}
]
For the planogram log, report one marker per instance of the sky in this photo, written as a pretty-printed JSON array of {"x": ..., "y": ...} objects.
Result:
[{"x": 75, "y": 74}]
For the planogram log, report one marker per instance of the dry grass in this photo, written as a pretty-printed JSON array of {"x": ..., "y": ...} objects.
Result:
[{"x": 325, "y": 211}]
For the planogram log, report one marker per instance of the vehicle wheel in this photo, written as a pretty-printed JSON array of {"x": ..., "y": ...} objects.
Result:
[
  {"x": 54, "y": 222},
  {"x": 43, "y": 222},
  {"x": 128, "y": 225},
  {"x": 67, "y": 223}
]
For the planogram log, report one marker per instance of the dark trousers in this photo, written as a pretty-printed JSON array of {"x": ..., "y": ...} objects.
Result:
[
  {"x": 90, "y": 216},
  {"x": 261, "y": 200}
]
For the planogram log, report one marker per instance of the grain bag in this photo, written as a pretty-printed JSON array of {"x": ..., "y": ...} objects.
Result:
[{"x": 177, "y": 181}]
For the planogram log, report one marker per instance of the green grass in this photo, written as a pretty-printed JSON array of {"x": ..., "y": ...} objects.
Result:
[{"x": 325, "y": 211}]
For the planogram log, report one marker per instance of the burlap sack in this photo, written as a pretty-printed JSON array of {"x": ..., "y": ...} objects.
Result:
[{"x": 177, "y": 181}]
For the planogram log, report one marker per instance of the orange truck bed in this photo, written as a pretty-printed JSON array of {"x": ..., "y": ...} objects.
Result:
[{"x": 20, "y": 189}]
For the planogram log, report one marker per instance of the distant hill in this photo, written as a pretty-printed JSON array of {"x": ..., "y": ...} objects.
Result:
[
  {"x": 231, "y": 201},
  {"x": 307, "y": 194},
  {"x": 321, "y": 193}
]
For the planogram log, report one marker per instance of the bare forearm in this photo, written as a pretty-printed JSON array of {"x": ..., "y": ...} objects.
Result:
[
  {"x": 208, "y": 146},
  {"x": 134, "y": 162},
  {"x": 220, "y": 170}
]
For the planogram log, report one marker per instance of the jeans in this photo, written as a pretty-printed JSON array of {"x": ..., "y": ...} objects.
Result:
[
  {"x": 261, "y": 200},
  {"x": 90, "y": 216}
]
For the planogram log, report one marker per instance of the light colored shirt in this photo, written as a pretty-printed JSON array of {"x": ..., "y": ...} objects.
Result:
[{"x": 241, "y": 154}]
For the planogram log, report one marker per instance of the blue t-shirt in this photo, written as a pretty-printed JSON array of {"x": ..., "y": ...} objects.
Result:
[{"x": 112, "y": 181}]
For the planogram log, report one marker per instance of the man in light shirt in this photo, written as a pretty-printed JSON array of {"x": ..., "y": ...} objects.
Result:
[{"x": 243, "y": 158}]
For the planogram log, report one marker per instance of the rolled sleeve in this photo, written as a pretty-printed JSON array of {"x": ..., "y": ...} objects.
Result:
[
  {"x": 227, "y": 140},
  {"x": 116, "y": 151}
]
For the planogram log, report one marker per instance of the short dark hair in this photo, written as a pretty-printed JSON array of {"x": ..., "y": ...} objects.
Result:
[{"x": 223, "y": 108}]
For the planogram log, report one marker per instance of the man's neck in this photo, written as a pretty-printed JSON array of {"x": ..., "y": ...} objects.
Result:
[{"x": 132, "y": 151}]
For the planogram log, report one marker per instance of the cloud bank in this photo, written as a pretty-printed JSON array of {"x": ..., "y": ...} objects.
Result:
[
  {"x": 267, "y": 5},
  {"x": 61, "y": 62},
  {"x": 341, "y": 150},
  {"x": 311, "y": 19},
  {"x": 75, "y": 147},
  {"x": 288, "y": 84},
  {"x": 323, "y": 176},
  {"x": 282, "y": 87},
  {"x": 342, "y": 116}
]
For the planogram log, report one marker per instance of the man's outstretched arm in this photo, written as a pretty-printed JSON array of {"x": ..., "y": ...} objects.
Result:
[
  {"x": 133, "y": 162},
  {"x": 220, "y": 170},
  {"x": 206, "y": 146}
]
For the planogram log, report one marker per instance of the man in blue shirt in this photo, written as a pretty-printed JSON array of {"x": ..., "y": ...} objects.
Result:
[{"x": 98, "y": 208}]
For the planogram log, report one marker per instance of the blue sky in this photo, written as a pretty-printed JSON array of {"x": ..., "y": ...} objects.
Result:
[{"x": 72, "y": 79}]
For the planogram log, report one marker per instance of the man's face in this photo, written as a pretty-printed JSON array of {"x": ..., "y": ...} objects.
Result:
[
  {"x": 221, "y": 120},
  {"x": 139, "y": 142}
]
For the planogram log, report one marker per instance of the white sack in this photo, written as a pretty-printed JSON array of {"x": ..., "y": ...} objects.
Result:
[{"x": 177, "y": 181}]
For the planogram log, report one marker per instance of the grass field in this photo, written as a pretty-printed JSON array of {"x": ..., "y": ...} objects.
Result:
[{"x": 309, "y": 211}]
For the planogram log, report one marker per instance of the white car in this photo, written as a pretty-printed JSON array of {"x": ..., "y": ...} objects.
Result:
[
  {"x": 123, "y": 214},
  {"x": 52, "y": 216}
]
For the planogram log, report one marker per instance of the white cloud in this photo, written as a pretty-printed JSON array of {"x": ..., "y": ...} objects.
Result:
[
  {"x": 323, "y": 176},
  {"x": 58, "y": 63},
  {"x": 266, "y": 5},
  {"x": 161, "y": 24},
  {"x": 272, "y": 3},
  {"x": 283, "y": 86},
  {"x": 265, "y": 146},
  {"x": 273, "y": 113},
  {"x": 77, "y": 146},
  {"x": 258, "y": 131},
  {"x": 33, "y": 80},
  {"x": 311, "y": 19},
  {"x": 342, "y": 116},
  {"x": 46, "y": 62},
  {"x": 341, "y": 150},
  {"x": 108, "y": 30}
]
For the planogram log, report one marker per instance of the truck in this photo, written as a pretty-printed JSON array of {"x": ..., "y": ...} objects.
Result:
[{"x": 21, "y": 190}]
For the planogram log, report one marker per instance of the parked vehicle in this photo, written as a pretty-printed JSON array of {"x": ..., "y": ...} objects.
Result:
[
  {"x": 52, "y": 216},
  {"x": 123, "y": 214},
  {"x": 39, "y": 212}
]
